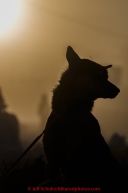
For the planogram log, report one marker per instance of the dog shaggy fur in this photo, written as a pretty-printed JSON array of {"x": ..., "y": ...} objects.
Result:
[{"x": 72, "y": 139}]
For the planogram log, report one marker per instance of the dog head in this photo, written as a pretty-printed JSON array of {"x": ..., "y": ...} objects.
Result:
[{"x": 89, "y": 78}]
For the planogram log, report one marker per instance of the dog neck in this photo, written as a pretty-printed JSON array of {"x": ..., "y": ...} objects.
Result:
[{"x": 72, "y": 104}]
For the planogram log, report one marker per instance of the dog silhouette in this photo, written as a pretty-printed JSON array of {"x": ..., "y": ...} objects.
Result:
[{"x": 73, "y": 142}]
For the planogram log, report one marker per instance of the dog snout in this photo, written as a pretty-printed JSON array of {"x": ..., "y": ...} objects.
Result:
[
  {"x": 114, "y": 91},
  {"x": 118, "y": 90}
]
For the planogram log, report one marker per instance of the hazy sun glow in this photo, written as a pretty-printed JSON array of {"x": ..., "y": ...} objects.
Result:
[{"x": 9, "y": 14}]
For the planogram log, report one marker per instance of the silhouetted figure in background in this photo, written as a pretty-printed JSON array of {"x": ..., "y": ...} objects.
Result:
[
  {"x": 117, "y": 142},
  {"x": 72, "y": 139},
  {"x": 10, "y": 146},
  {"x": 119, "y": 149}
]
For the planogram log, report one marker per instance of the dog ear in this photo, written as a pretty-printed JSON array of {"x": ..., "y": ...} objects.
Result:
[
  {"x": 109, "y": 66},
  {"x": 72, "y": 58}
]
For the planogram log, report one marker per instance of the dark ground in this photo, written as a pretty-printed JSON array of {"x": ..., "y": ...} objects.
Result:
[{"x": 29, "y": 173}]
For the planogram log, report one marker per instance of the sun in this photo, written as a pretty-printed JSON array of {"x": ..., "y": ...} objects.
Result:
[{"x": 9, "y": 14}]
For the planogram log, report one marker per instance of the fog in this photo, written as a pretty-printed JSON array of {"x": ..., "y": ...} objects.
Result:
[{"x": 32, "y": 56}]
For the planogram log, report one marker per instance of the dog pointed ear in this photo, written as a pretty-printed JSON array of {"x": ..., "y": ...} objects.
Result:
[
  {"x": 72, "y": 58},
  {"x": 108, "y": 66}
]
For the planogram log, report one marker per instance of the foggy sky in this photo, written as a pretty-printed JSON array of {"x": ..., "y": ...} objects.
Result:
[{"x": 32, "y": 55}]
